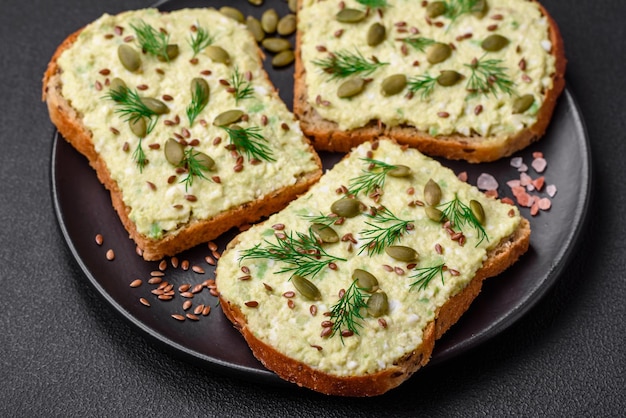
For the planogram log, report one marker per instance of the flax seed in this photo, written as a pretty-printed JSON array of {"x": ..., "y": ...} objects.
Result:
[
  {"x": 185, "y": 265},
  {"x": 110, "y": 255},
  {"x": 154, "y": 280},
  {"x": 144, "y": 302},
  {"x": 197, "y": 269},
  {"x": 197, "y": 288},
  {"x": 206, "y": 310},
  {"x": 178, "y": 317},
  {"x": 99, "y": 239},
  {"x": 136, "y": 283},
  {"x": 192, "y": 317},
  {"x": 268, "y": 287},
  {"x": 165, "y": 297},
  {"x": 252, "y": 304},
  {"x": 186, "y": 305}
]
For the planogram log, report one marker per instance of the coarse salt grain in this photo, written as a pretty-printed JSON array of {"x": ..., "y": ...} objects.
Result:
[
  {"x": 551, "y": 190},
  {"x": 539, "y": 165},
  {"x": 486, "y": 182}
]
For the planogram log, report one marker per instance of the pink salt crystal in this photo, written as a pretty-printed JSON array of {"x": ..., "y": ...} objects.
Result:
[
  {"x": 516, "y": 162},
  {"x": 537, "y": 154},
  {"x": 551, "y": 190},
  {"x": 525, "y": 179},
  {"x": 539, "y": 164},
  {"x": 522, "y": 168},
  {"x": 544, "y": 203},
  {"x": 486, "y": 182},
  {"x": 462, "y": 176},
  {"x": 514, "y": 183}
]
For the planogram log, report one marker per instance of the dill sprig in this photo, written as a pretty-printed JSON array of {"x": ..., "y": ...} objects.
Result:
[
  {"x": 151, "y": 40},
  {"x": 250, "y": 141},
  {"x": 302, "y": 253},
  {"x": 194, "y": 165},
  {"x": 199, "y": 100},
  {"x": 200, "y": 40},
  {"x": 132, "y": 108},
  {"x": 346, "y": 313},
  {"x": 459, "y": 214},
  {"x": 425, "y": 275},
  {"x": 139, "y": 156},
  {"x": 372, "y": 178},
  {"x": 242, "y": 88},
  {"x": 419, "y": 42},
  {"x": 342, "y": 64},
  {"x": 457, "y": 8},
  {"x": 488, "y": 76},
  {"x": 386, "y": 229},
  {"x": 326, "y": 220},
  {"x": 379, "y": 4},
  {"x": 424, "y": 83}
]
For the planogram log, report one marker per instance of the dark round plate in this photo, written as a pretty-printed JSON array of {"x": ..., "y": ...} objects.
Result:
[{"x": 83, "y": 209}]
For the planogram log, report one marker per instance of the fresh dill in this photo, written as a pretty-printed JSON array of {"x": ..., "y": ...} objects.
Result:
[
  {"x": 195, "y": 165},
  {"x": 457, "y": 8},
  {"x": 385, "y": 229},
  {"x": 424, "y": 83},
  {"x": 488, "y": 76},
  {"x": 326, "y": 220},
  {"x": 372, "y": 4},
  {"x": 200, "y": 40},
  {"x": 250, "y": 141},
  {"x": 302, "y": 253},
  {"x": 459, "y": 214},
  {"x": 342, "y": 64},
  {"x": 419, "y": 42},
  {"x": 132, "y": 108},
  {"x": 425, "y": 275},
  {"x": 151, "y": 40},
  {"x": 371, "y": 179},
  {"x": 140, "y": 156},
  {"x": 346, "y": 313},
  {"x": 199, "y": 100},
  {"x": 242, "y": 88}
]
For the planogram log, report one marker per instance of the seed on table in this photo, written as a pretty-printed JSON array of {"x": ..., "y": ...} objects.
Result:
[
  {"x": 110, "y": 255},
  {"x": 99, "y": 239},
  {"x": 187, "y": 305},
  {"x": 197, "y": 269},
  {"x": 155, "y": 280},
  {"x": 198, "y": 309},
  {"x": 206, "y": 310},
  {"x": 184, "y": 287},
  {"x": 178, "y": 317},
  {"x": 136, "y": 283},
  {"x": 144, "y": 302},
  {"x": 192, "y": 317}
]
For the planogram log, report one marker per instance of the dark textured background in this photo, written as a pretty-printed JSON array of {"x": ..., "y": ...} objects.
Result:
[{"x": 64, "y": 352}]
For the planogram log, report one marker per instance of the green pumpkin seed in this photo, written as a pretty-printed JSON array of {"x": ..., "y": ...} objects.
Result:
[
  {"x": 350, "y": 88},
  {"x": 378, "y": 304},
  {"x": 325, "y": 233},
  {"x": 435, "y": 9},
  {"x": 206, "y": 163},
  {"x": 401, "y": 253},
  {"x": 254, "y": 26},
  {"x": 480, "y": 8},
  {"x": 495, "y": 42},
  {"x": 376, "y": 34},
  {"x": 129, "y": 57},
  {"x": 477, "y": 211},
  {"x": 438, "y": 52},
  {"x": 201, "y": 85},
  {"x": 174, "y": 152},
  {"x": 393, "y": 84},
  {"x": 283, "y": 58},
  {"x": 293, "y": 5},
  {"x": 306, "y": 288},
  {"x": 448, "y": 78},
  {"x": 232, "y": 13},
  {"x": 348, "y": 15},
  {"x": 269, "y": 20},
  {"x": 434, "y": 214},
  {"x": 138, "y": 126},
  {"x": 217, "y": 54},
  {"x": 287, "y": 25},
  {"x": 155, "y": 105},
  {"x": 346, "y": 207},
  {"x": 118, "y": 85},
  {"x": 171, "y": 51},
  {"x": 523, "y": 103},
  {"x": 255, "y": 2},
  {"x": 276, "y": 44},
  {"x": 400, "y": 171},
  {"x": 228, "y": 117},
  {"x": 432, "y": 193},
  {"x": 365, "y": 280}
]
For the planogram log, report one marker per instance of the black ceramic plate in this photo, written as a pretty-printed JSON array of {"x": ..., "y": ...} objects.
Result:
[{"x": 83, "y": 208}]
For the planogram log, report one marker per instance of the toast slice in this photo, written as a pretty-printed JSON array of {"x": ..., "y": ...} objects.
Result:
[
  {"x": 299, "y": 285},
  {"x": 476, "y": 80},
  {"x": 219, "y": 148}
]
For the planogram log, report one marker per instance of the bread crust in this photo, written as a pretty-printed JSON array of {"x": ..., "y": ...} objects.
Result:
[
  {"x": 70, "y": 126},
  {"x": 326, "y": 135},
  {"x": 498, "y": 259}
]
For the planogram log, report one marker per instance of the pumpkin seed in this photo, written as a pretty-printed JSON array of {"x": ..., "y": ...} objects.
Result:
[
  {"x": 206, "y": 163},
  {"x": 286, "y": 25},
  {"x": 495, "y": 42},
  {"x": 522, "y": 103},
  {"x": 401, "y": 253},
  {"x": 432, "y": 193},
  {"x": 448, "y": 78},
  {"x": 435, "y": 9},
  {"x": 202, "y": 85},
  {"x": 376, "y": 34},
  {"x": 233, "y": 13},
  {"x": 480, "y": 9},
  {"x": 174, "y": 152},
  {"x": 283, "y": 58},
  {"x": 254, "y": 26},
  {"x": 293, "y": 5},
  {"x": 378, "y": 304},
  {"x": 477, "y": 211},
  {"x": 399, "y": 171},
  {"x": 433, "y": 213},
  {"x": 171, "y": 51},
  {"x": 393, "y": 84},
  {"x": 129, "y": 57},
  {"x": 348, "y": 15},
  {"x": 138, "y": 126},
  {"x": 155, "y": 105},
  {"x": 118, "y": 85},
  {"x": 438, "y": 52},
  {"x": 276, "y": 44},
  {"x": 346, "y": 207},
  {"x": 228, "y": 117},
  {"x": 325, "y": 233},
  {"x": 255, "y": 2},
  {"x": 365, "y": 280},
  {"x": 269, "y": 20},
  {"x": 217, "y": 54},
  {"x": 350, "y": 88},
  {"x": 306, "y": 288}
]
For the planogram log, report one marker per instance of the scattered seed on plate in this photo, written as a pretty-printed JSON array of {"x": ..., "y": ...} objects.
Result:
[
  {"x": 99, "y": 239},
  {"x": 144, "y": 302},
  {"x": 136, "y": 283},
  {"x": 110, "y": 255}
]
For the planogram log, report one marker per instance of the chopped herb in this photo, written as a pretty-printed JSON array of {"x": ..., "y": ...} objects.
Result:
[
  {"x": 385, "y": 230},
  {"x": 342, "y": 64},
  {"x": 423, "y": 83},
  {"x": 346, "y": 313},
  {"x": 457, "y": 8},
  {"x": 151, "y": 40},
  {"x": 132, "y": 108},
  {"x": 326, "y": 220},
  {"x": 250, "y": 141},
  {"x": 379, "y": 4},
  {"x": 195, "y": 167},
  {"x": 488, "y": 76},
  {"x": 419, "y": 43},
  {"x": 139, "y": 156},
  {"x": 372, "y": 178},
  {"x": 242, "y": 88},
  {"x": 200, "y": 40},
  {"x": 459, "y": 214},
  {"x": 424, "y": 275},
  {"x": 199, "y": 100}
]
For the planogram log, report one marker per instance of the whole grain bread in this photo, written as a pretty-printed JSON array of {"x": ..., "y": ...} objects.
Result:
[{"x": 328, "y": 135}]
